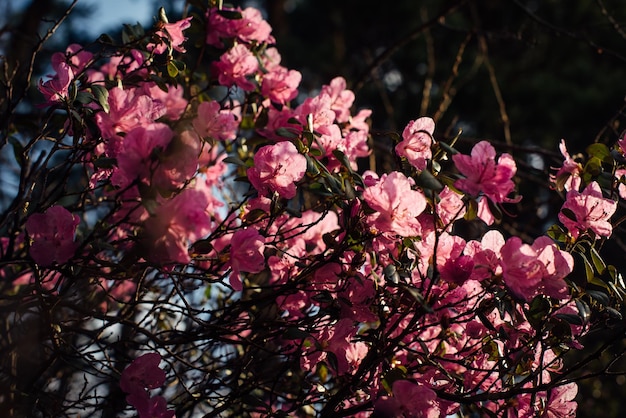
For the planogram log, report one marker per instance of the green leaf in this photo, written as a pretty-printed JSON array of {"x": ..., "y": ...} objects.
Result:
[
  {"x": 234, "y": 160},
  {"x": 426, "y": 180},
  {"x": 601, "y": 152},
  {"x": 599, "y": 296},
  {"x": 230, "y": 14},
  {"x": 569, "y": 214},
  {"x": 102, "y": 96},
  {"x": 597, "y": 261},
  {"x": 172, "y": 70},
  {"x": 286, "y": 133},
  {"x": 557, "y": 233}
]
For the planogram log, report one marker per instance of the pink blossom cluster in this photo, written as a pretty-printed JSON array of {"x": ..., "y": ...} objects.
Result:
[
  {"x": 367, "y": 274},
  {"x": 142, "y": 375}
]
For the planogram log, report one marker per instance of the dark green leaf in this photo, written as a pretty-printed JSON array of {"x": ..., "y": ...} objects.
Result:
[{"x": 102, "y": 96}]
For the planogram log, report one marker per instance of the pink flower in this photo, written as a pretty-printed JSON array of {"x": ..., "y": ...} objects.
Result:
[
  {"x": 172, "y": 100},
  {"x": 56, "y": 89},
  {"x": 75, "y": 55},
  {"x": 561, "y": 403},
  {"x": 417, "y": 138},
  {"x": 568, "y": 176},
  {"x": 213, "y": 122},
  {"x": 277, "y": 168},
  {"x": 528, "y": 270},
  {"x": 140, "y": 376},
  {"x": 396, "y": 204},
  {"x": 52, "y": 233},
  {"x": 410, "y": 400},
  {"x": 128, "y": 109},
  {"x": 521, "y": 269},
  {"x": 177, "y": 222},
  {"x": 250, "y": 27},
  {"x": 341, "y": 98},
  {"x": 588, "y": 210},
  {"x": 450, "y": 207},
  {"x": 136, "y": 159},
  {"x": 143, "y": 373},
  {"x": 234, "y": 67},
  {"x": 484, "y": 175},
  {"x": 246, "y": 254},
  {"x": 173, "y": 32},
  {"x": 281, "y": 85}
]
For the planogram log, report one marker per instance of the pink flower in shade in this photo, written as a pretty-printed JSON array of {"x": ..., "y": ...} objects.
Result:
[
  {"x": 588, "y": 210},
  {"x": 213, "y": 122},
  {"x": 277, "y": 168},
  {"x": 396, "y": 204},
  {"x": 561, "y": 403},
  {"x": 52, "y": 233},
  {"x": 450, "y": 207},
  {"x": 173, "y": 32},
  {"x": 56, "y": 89},
  {"x": 486, "y": 255},
  {"x": 143, "y": 373},
  {"x": 172, "y": 100},
  {"x": 484, "y": 175},
  {"x": 75, "y": 56},
  {"x": 128, "y": 109},
  {"x": 568, "y": 176},
  {"x": 522, "y": 271},
  {"x": 140, "y": 376},
  {"x": 234, "y": 67},
  {"x": 409, "y": 400},
  {"x": 178, "y": 222},
  {"x": 251, "y": 27},
  {"x": 246, "y": 254},
  {"x": 281, "y": 85},
  {"x": 417, "y": 138},
  {"x": 528, "y": 270},
  {"x": 149, "y": 407},
  {"x": 341, "y": 98},
  {"x": 136, "y": 159},
  {"x": 557, "y": 265}
]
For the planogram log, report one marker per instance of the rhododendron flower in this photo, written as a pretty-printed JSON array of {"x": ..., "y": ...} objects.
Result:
[
  {"x": 281, "y": 85},
  {"x": 484, "y": 175},
  {"x": 128, "y": 109},
  {"x": 568, "y": 176},
  {"x": 250, "y": 27},
  {"x": 409, "y": 400},
  {"x": 450, "y": 207},
  {"x": 561, "y": 403},
  {"x": 52, "y": 233},
  {"x": 246, "y": 254},
  {"x": 396, "y": 204},
  {"x": 75, "y": 55},
  {"x": 140, "y": 376},
  {"x": 213, "y": 122},
  {"x": 521, "y": 269},
  {"x": 277, "y": 168},
  {"x": 341, "y": 98},
  {"x": 172, "y": 100},
  {"x": 417, "y": 138},
  {"x": 143, "y": 373},
  {"x": 56, "y": 89},
  {"x": 234, "y": 67},
  {"x": 588, "y": 210},
  {"x": 136, "y": 159},
  {"x": 538, "y": 268},
  {"x": 173, "y": 32}
]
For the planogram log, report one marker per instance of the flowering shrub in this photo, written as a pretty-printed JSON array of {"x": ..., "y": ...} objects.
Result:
[{"x": 223, "y": 226}]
